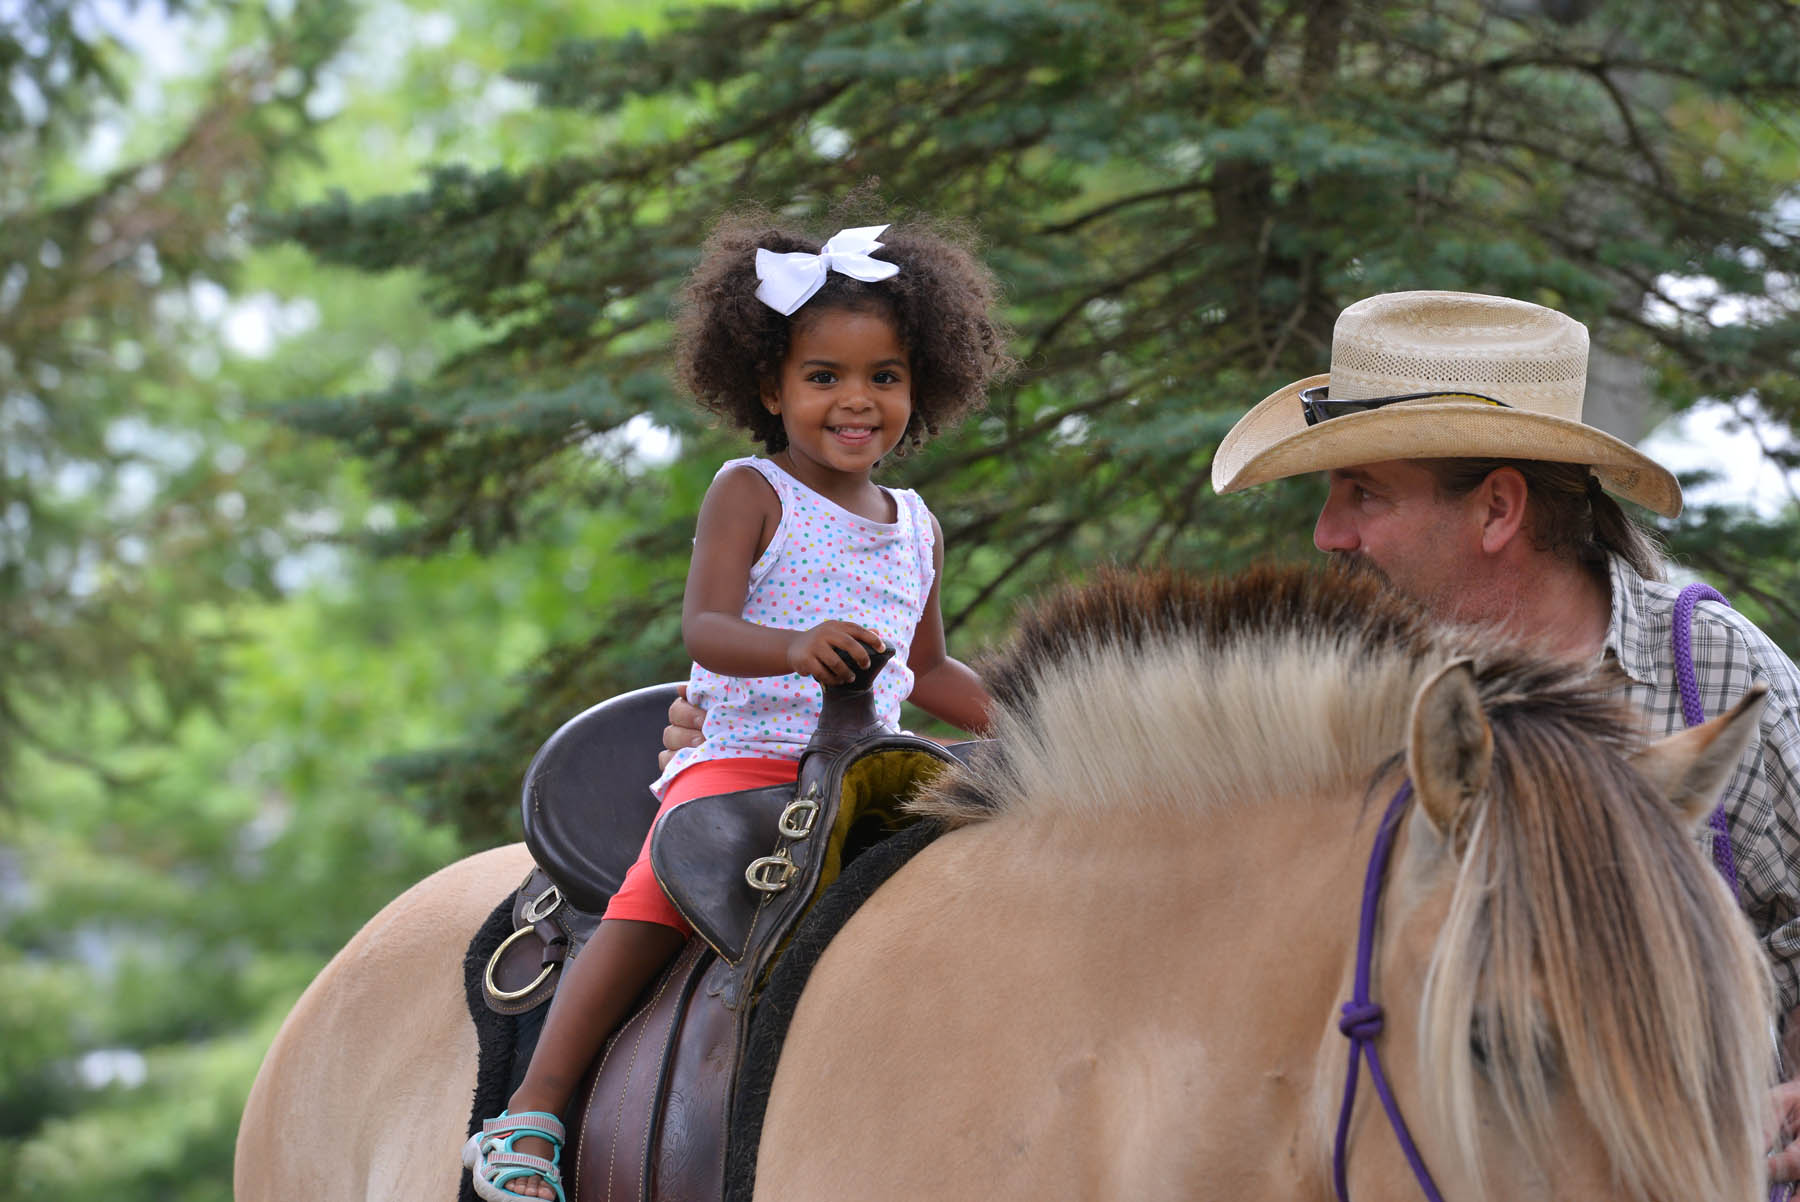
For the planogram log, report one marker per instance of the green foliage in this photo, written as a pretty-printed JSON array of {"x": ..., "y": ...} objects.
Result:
[
  {"x": 177, "y": 918},
  {"x": 120, "y": 459},
  {"x": 1179, "y": 197},
  {"x": 189, "y": 823},
  {"x": 227, "y": 735},
  {"x": 1751, "y": 560}
]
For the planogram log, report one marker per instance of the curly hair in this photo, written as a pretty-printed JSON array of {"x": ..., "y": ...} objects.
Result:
[{"x": 728, "y": 343}]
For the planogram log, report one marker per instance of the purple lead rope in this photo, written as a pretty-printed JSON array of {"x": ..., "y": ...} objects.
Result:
[
  {"x": 1693, "y": 713},
  {"x": 1361, "y": 1018}
]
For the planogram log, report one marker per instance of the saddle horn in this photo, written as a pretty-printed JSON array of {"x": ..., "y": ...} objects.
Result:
[{"x": 848, "y": 711}]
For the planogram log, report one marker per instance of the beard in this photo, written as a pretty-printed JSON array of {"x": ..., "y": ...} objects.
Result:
[
  {"x": 1441, "y": 602},
  {"x": 1354, "y": 565}
]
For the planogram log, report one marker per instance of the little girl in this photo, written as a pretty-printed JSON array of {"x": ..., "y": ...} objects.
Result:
[{"x": 832, "y": 358}]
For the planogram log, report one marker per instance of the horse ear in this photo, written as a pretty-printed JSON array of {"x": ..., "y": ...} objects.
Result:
[
  {"x": 1690, "y": 767},
  {"x": 1450, "y": 747}
]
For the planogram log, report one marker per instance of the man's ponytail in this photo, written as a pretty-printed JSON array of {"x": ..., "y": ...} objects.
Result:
[{"x": 1569, "y": 514}]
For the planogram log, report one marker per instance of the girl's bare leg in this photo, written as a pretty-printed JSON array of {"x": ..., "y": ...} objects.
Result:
[{"x": 618, "y": 961}]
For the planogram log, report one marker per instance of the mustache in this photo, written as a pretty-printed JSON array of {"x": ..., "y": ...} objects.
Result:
[{"x": 1354, "y": 565}]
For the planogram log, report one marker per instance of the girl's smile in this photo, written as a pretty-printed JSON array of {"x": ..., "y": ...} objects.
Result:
[{"x": 844, "y": 396}]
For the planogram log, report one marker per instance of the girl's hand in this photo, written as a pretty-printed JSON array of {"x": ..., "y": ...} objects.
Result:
[{"x": 814, "y": 652}]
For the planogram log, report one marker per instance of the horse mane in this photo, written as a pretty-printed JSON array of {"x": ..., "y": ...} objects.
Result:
[
  {"x": 1589, "y": 948},
  {"x": 1264, "y": 681}
]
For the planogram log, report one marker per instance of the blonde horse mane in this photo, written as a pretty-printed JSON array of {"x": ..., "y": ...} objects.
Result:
[{"x": 1590, "y": 952}]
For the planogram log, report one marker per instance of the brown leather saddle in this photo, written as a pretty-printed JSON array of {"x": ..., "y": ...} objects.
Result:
[{"x": 650, "y": 1120}]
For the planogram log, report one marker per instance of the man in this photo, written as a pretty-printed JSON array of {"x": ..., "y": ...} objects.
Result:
[
  {"x": 1450, "y": 432},
  {"x": 1449, "y": 429}
]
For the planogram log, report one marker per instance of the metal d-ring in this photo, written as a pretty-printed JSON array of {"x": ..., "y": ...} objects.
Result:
[
  {"x": 488, "y": 975},
  {"x": 797, "y": 820},
  {"x": 770, "y": 874}
]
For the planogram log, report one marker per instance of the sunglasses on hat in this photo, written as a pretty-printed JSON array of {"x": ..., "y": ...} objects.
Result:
[{"x": 1317, "y": 404}]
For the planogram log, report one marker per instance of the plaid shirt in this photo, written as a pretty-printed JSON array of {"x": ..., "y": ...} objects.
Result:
[{"x": 1762, "y": 798}]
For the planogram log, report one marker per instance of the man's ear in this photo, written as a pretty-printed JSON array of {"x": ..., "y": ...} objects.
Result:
[{"x": 1503, "y": 496}]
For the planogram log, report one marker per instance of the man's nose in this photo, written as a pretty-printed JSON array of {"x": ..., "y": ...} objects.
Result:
[{"x": 1331, "y": 532}]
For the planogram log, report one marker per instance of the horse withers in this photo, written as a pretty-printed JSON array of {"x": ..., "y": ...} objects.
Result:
[{"x": 1122, "y": 973}]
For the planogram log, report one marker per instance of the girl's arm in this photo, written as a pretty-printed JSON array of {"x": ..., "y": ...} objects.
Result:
[
  {"x": 944, "y": 687},
  {"x": 737, "y": 520}
]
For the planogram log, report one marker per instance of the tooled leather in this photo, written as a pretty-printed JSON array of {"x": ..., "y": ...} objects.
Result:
[
  {"x": 698, "y": 1077},
  {"x": 606, "y": 1080},
  {"x": 619, "y": 1124},
  {"x": 764, "y": 901},
  {"x": 680, "y": 1051},
  {"x": 701, "y": 848},
  {"x": 700, "y": 860},
  {"x": 718, "y": 1042},
  {"x": 784, "y": 909},
  {"x": 699, "y": 1033}
]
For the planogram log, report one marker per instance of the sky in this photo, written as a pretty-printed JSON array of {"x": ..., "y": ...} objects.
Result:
[{"x": 1712, "y": 437}]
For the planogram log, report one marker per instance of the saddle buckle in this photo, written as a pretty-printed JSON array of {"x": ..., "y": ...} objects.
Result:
[
  {"x": 770, "y": 874},
  {"x": 797, "y": 820},
  {"x": 493, "y": 986},
  {"x": 536, "y": 910}
]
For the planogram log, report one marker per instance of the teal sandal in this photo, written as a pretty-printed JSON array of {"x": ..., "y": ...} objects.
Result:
[{"x": 491, "y": 1161}]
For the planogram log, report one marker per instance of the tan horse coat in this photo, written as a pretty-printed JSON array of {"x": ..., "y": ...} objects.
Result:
[
  {"x": 1056, "y": 1037},
  {"x": 1120, "y": 979},
  {"x": 365, "y": 1093}
]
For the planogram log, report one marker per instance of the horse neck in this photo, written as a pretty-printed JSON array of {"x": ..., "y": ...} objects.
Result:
[{"x": 1271, "y": 888}]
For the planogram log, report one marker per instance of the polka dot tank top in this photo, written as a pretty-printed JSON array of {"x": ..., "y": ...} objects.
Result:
[{"x": 823, "y": 562}]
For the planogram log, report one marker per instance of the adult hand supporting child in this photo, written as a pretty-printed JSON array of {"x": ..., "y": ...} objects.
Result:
[{"x": 684, "y": 728}]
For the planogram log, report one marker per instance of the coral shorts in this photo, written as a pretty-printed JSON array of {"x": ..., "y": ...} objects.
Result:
[{"x": 641, "y": 898}]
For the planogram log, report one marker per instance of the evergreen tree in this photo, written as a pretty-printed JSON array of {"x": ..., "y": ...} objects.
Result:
[
  {"x": 130, "y": 510},
  {"x": 1180, "y": 197},
  {"x": 137, "y": 507}
]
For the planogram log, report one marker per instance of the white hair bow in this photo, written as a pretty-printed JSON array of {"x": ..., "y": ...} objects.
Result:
[{"x": 789, "y": 281}]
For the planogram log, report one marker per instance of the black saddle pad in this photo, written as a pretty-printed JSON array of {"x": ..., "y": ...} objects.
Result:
[{"x": 504, "y": 1042}]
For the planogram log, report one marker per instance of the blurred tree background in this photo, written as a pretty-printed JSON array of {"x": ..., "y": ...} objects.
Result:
[{"x": 341, "y": 463}]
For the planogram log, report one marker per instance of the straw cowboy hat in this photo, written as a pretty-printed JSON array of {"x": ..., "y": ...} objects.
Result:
[{"x": 1441, "y": 375}]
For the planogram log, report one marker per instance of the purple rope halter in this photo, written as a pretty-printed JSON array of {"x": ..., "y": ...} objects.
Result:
[
  {"x": 1694, "y": 714},
  {"x": 1361, "y": 1019}
]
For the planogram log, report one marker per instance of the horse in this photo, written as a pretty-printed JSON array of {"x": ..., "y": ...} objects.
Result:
[{"x": 1232, "y": 840}]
